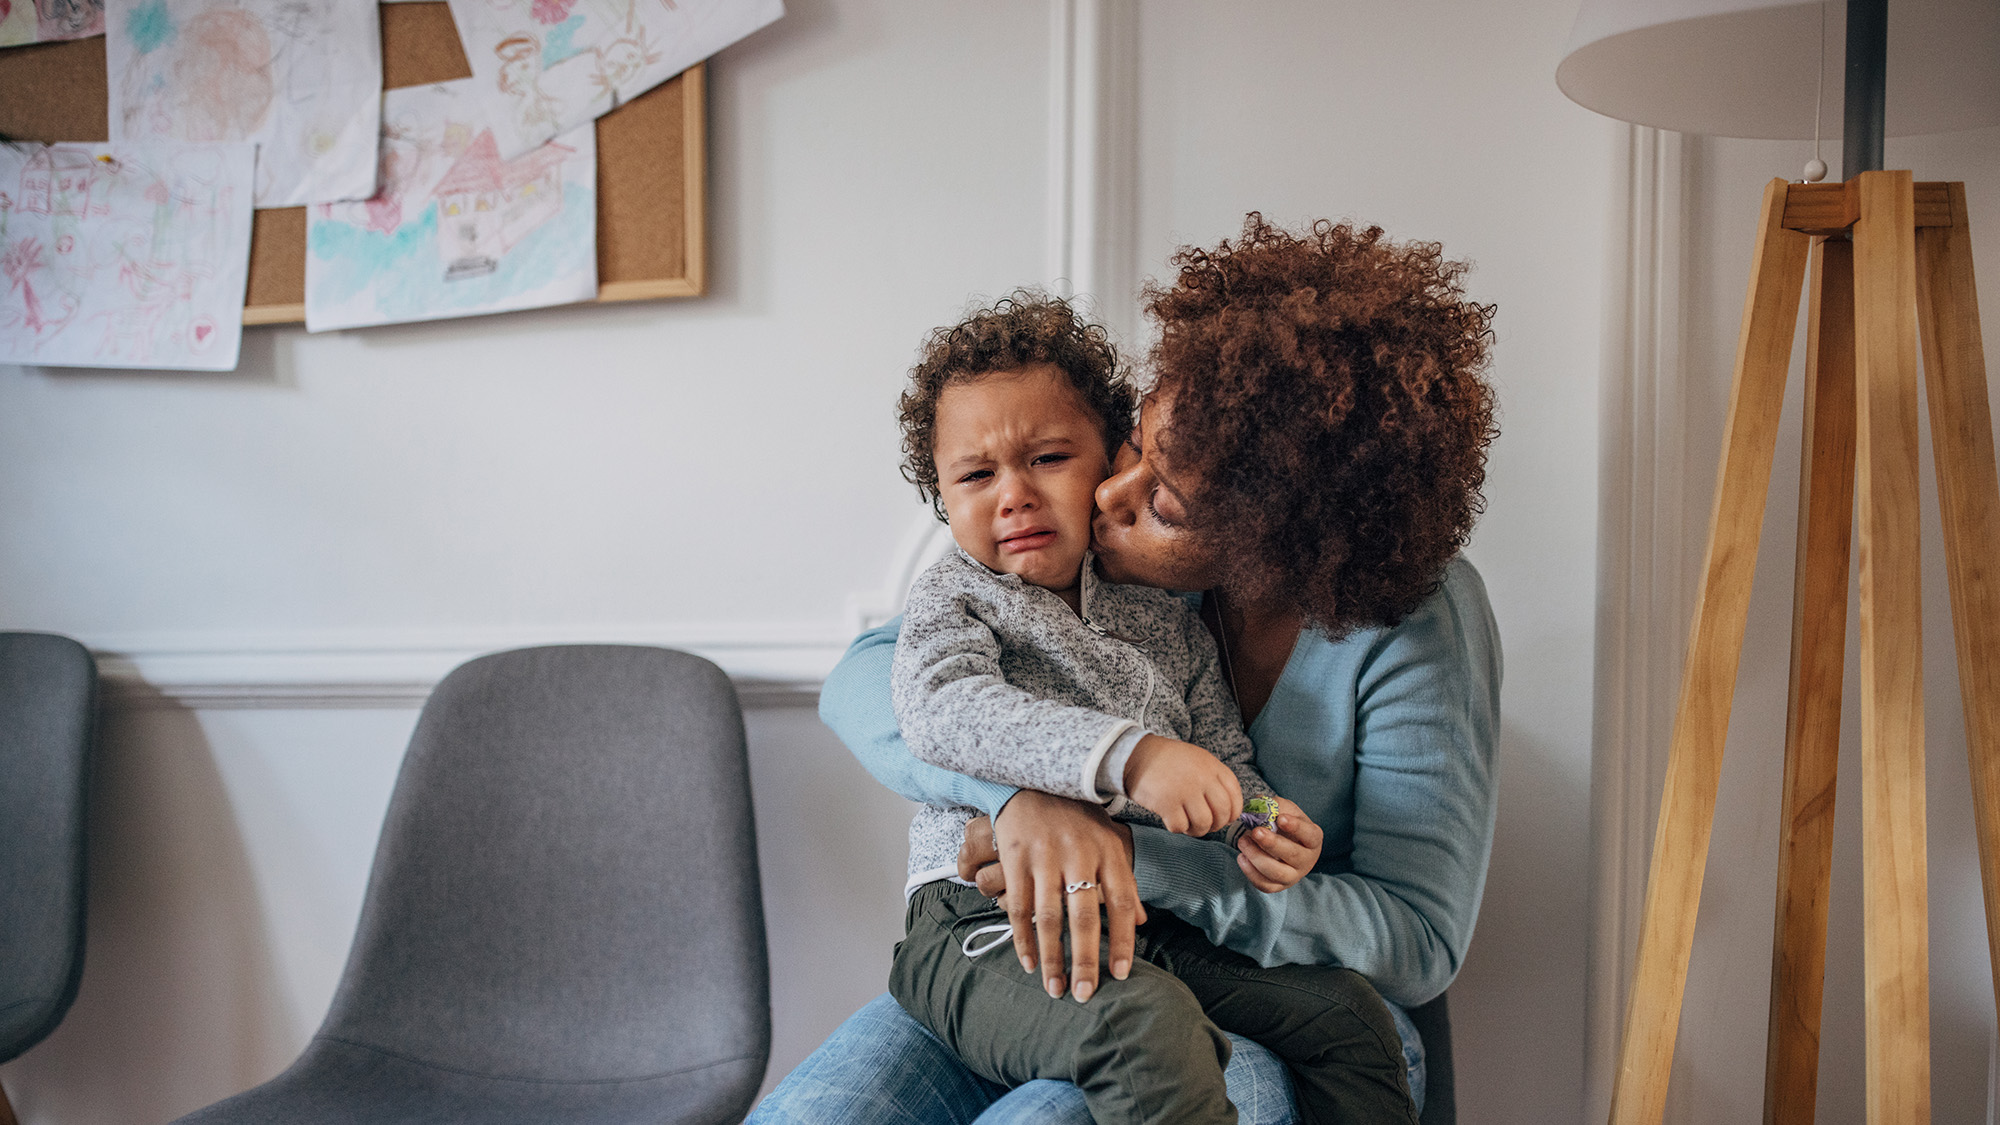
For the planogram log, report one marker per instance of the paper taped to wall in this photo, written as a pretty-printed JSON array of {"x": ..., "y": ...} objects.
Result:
[
  {"x": 546, "y": 66},
  {"x": 456, "y": 230},
  {"x": 119, "y": 255},
  {"x": 43, "y": 21},
  {"x": 302, "y": 78}
]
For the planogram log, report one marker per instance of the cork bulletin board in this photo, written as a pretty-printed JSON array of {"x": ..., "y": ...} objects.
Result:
[{"x": 650, "y": 170}]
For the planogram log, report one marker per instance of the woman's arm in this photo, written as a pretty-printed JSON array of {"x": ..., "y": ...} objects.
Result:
[
  {"x": 1425, "y": 723},
  {"x": 854, "y": 703}
]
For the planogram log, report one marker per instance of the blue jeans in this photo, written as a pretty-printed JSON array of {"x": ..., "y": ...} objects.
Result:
[{"x": 882, "y": 1068}]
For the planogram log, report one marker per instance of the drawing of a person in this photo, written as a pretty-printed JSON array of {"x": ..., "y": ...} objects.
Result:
[{"x": 520, "y": 77}]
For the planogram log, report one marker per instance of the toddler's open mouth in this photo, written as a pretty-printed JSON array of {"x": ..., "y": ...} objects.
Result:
[{"x": 1030, "y": 540}]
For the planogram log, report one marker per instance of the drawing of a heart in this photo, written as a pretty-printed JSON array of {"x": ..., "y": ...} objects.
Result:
[{"x": 201, "y": 332}]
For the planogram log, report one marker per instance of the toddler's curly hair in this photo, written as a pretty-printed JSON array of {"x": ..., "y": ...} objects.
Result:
[
  {"x": 1023, "y": 329},
  {"x": 1330, "y": 415}
]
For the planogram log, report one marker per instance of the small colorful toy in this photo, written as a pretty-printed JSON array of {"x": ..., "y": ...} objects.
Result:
[{"x": 1258, "y": 812}]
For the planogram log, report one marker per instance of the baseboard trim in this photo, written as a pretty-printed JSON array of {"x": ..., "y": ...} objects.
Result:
[{"x": 771, "y": 666}]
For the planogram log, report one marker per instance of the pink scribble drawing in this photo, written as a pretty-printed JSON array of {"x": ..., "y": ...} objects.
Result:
[
  {"x": 133, "y": 259},
  {"x": 551, "y": 11},
  {"x": 19, "y": 263},
  {"x": 45, "y": 21},
  {"x": 68, "y": 19}
]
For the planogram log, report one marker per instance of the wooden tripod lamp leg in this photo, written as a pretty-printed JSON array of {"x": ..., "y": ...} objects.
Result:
[
  {"x": 1896, "y": 922},
  {"x": 1969, "y": 496},
  {"x": 1708, "y": 681},
  {"x": 1812, "y": 721}
]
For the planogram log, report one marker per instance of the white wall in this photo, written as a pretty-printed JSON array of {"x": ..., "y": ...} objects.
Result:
[{"x": 287, "y": 554}]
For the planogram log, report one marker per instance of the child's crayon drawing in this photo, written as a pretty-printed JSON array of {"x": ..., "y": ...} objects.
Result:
[
  {"x": 124, "y": 255},
  {"x": 302, "y": 78},
  {"x": 456, "y": 230},
  {"x": 44, "y": 21},
  {"x": 546, "y": 66}
]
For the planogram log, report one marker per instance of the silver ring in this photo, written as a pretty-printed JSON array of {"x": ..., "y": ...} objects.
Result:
[{"x": 1079, "y": 885}]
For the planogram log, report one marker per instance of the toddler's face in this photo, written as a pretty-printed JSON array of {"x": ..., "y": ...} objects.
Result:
[{"x": 1019, "y": 458}]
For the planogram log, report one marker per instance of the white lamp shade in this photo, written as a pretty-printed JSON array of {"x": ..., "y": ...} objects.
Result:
[{"x": 1750, "y": 68}]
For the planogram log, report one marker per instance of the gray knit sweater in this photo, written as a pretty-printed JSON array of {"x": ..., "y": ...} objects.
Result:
[{"x": 998, "y": 679}]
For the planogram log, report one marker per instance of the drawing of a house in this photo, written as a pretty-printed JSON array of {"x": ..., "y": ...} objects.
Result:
[
  {"x": 58, "y": 181},
  {"x": 486, "y": 205}
]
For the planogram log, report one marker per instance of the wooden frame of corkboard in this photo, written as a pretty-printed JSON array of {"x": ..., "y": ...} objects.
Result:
[{"x": 651, "y": 175}]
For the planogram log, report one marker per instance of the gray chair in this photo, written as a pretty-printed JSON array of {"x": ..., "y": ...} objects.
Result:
[
  {"x": 48, "y": 722},
  {"x": 563, "y": 923},
  {"x": 1433, "y": 1023}
]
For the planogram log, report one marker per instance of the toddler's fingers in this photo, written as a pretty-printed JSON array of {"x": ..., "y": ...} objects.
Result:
[
  {"x": 1282, "y": 848},
  {"x": 1256, "y": 877},
  {"x": 1223, "y": 806},
  {"x": 1201, "y": 817},
  {"x": 1300, "y": 827},
  {"x": 1268, "y": 865}
]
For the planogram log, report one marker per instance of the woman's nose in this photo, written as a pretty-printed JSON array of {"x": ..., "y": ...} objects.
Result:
[{"x": 1117, "y": 496}]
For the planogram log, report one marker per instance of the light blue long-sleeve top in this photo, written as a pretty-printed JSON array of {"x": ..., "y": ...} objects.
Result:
[{"x": 1386, "y": 738}]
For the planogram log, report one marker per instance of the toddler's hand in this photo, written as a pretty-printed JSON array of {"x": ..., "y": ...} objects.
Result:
[
  {"x": 1274, "y": 860},
  {"x": 1192, "y": 791}
]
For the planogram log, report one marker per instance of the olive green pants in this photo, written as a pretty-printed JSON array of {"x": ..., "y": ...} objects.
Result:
[{"x": 1150, "y": 1048}]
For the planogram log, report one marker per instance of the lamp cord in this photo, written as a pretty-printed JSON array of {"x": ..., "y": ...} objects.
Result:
[
  {"x": 1815, "y": 169},
  {"x": 1819, "y": 91}
]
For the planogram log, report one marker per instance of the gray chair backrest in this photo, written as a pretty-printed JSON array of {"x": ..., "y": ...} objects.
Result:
[
  {"x": 48, "y": 718},
  {"x": 566, "y": 884}
]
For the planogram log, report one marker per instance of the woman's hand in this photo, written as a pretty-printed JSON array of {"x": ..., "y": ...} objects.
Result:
[
  {"x": 1045, "y": 844},
  {"x": 1274, "y": 860}
]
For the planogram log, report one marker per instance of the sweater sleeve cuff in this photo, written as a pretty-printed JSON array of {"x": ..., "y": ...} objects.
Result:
[
  {"x": 1093, "y": 762},
  {"x": 1111, "y": 771},
  {"x": 1164, "y": 868},
  {"x": 988, "y": 796}
]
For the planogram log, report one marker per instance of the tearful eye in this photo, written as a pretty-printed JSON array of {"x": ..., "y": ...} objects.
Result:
[
  {"x": 1052, "y": 458},
  {"x": 975, "y": 475}
]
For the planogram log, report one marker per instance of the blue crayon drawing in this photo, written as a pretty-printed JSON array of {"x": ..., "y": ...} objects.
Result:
[{"x": 455, "y": 231}]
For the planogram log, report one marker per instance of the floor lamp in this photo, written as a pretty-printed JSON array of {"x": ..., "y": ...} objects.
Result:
[{"x": 1890, "y": 265}]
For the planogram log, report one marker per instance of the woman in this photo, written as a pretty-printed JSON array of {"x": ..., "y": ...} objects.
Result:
[{"x": 1311, "y": 454}]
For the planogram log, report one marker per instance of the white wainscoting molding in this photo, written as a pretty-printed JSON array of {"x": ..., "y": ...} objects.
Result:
[
  {"x": 1094, "y": 159},
  {"x": 1642, "y": 610},
  {"x": 771, "y": 665}
]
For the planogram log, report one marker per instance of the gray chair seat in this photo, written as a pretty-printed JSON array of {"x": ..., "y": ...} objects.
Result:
[
  {"x": 563, "y": 923},
  {"x": 335, "y": 1082},
  {"x": 48, "y": 718}
]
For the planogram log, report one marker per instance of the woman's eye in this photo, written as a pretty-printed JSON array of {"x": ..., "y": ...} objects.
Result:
[{"x": 1153, "y": 509}]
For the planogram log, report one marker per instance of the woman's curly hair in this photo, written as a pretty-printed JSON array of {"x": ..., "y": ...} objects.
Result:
[
  {"x": 1330, "y": 414},
  {"x": 1023, "y": 329}
]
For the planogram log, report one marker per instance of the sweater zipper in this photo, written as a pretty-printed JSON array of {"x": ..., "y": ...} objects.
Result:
[{"x": 1146, "y": 702}]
